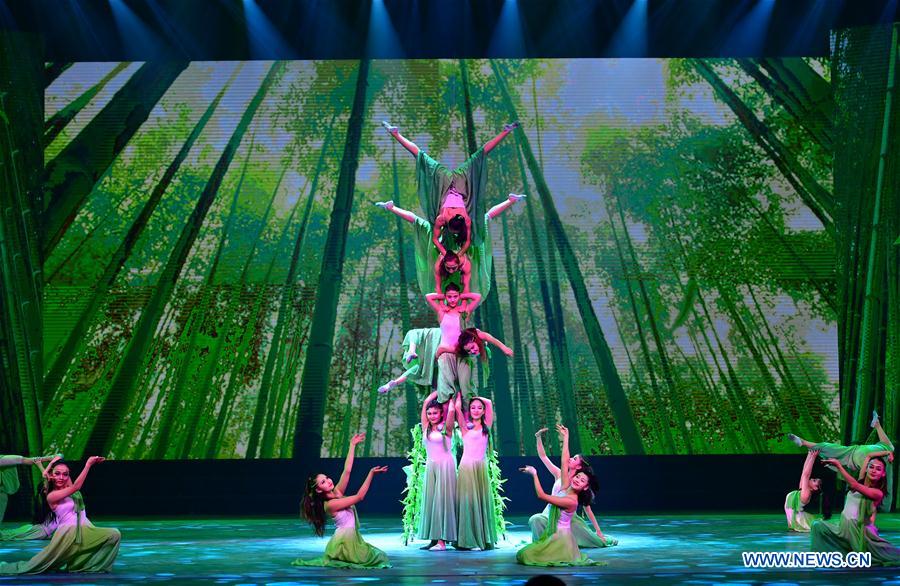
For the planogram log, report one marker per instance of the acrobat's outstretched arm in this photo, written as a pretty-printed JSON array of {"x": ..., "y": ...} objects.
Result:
[
  {"x": 504, "y": 205},
  {"x": 58, "y": 495},
  {"x": 405, "y": 214},
  {"x": 542, "y": 453},
  {"x": 489, "y": 145},
  {"x": 341, "y": 503},
  {"x": 492, "y": 340},
  {"x": 348, "y": 462},
  {"x": 405, "y": 142}
]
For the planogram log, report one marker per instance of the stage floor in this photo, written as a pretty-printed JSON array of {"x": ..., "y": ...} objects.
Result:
[{"x": 673, "y": 549}]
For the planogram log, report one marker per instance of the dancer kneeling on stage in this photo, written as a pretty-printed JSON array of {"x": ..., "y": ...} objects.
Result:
[
  {"x": 856, "y": 531},
  {"x": 558, "y": 546},
  {"x": 77, "y": 545},
  {"x": 583, "y": 535},
  {"x": 346, "y": 548}
]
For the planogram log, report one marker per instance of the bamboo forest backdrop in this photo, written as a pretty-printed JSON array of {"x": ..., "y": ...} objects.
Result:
[{"x": 217, "y": 282}]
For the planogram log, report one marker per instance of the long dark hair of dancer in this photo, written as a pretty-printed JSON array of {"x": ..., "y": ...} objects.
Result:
[
  {"x": 586, "y": 496},
  {"x": 448, "y": 256},
  {"x": 484, "y": 428},
  {"x": 457, "y": 227},
  {"x": 435, "y": 405},
  {"x": 42, "y": 510},
  {"x": 312, "y": 507},
  {"x": 826, "y": 490},
  {"x": 467, "y": 336}
]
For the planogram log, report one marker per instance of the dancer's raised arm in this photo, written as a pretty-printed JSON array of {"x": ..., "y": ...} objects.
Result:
[
  {"x": 434, "y": 300},
  {"x": 564, "y": 458},
  {"x": 59, "y": 494},
  {"x": 405, "y": 142},
  {"x": 865, "y": 462},
  {"x": 339, "y": 504},
  {"x": 488, "y": 419},
  {"x": 472, "y": 300},
  {"x": 489, "y": 145},
  {"x": 567, "y": 503},
  {"x": 504, "y": 205},
  {"x": 870, "y": 493},
  {"x": 491, "y": 339},
  {"x": 405, "y": 214},
  {"x": 348, "y": 462},
  {"x": 542, "y": 453},
  {"x": 805, "y": 491},
  {"x": 425, "y": 403}
]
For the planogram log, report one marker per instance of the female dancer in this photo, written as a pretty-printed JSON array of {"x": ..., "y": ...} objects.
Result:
[
  {"x": 437, "y": 518},
  {"x": 558, "y": 546},
  {"x": 9, "y": 477},
  {"x": 47, "y": 520},
  {"x": 853, "y": 458},
  {"x": 855, "y": 532},
  {"x": 419, "y": 353},
  {"x": 795, "y": 503},
  {"x": 469, "y": 268},
  {"x": 538, "y": 523},
  {"x": 454, "y": 374},
  {"x": 446, "y": 194},
  {"x": 475, "y": 510},
  {"x": 346, "y": 548},
  {"x": 77, "y": 545}
]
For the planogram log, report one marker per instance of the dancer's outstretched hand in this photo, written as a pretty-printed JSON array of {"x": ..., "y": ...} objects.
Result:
[
  {"x": 388, "y": 205},
  {"x": 563, "y": 430},
  {"x": 392, "y": 129},
  {"x": 540, "y": 431},
  {"x": 95, "y": 460},
  {"x": 378, "y": 470},
  {"x": 528, "y": 470},
  {"x": 832, "y": 462},
  {"x": 814, "y": 453},
  {"x": 507, "y": 350},
  {"x": 511, "y": 126},
  {"x": 357, "y": 439},
  {"x": 514, "y": 197}
]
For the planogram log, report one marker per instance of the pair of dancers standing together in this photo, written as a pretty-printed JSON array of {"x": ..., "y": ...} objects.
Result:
[
  {"x": 458, "y": 505},
  {"x": 868, "y": 491}
]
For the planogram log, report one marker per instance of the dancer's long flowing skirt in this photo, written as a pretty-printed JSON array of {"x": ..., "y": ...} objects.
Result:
[
  {"x": 798, "y": 519},
  {"x": 559, "y": 548},
  {"x": 94, "y": 552},
  {"x": 438, "y": 517},
  {"x": 26, "y": 532},
  {"x": 584, "y": 536},
  {"x": 849, "y": 535},
  {"x": 475, "y": 511},
  {"x": 421, "y": 369},
  {"x": 347, "y": 549}
]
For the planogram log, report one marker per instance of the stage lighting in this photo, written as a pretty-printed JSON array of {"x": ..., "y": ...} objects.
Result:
[
  {"x": 630, "y": 39},
  {"x": 263, "y": 39},
  {"x": 136, "y": 36},
  {"x": 508, "y": 40},
  {"x": 749, "y": 35},
  {"x": 382, "y": 41}
]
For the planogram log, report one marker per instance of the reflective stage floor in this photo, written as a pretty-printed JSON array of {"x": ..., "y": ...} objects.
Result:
[{"x": 653, "y": 549}]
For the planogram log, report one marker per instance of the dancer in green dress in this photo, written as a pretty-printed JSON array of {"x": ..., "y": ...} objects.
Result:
[
  {"x": 452, "y": 195},
  {"x": 77, "y": 545},
  {"x": 585, "y": 536},
  {"x": 854, "y": 458},
  {"x": 475, "y": 508},
  {"x": 797, "y": 500},
  {"x": 856, "y": 531},
  {"x": 346, "y": 548},
  {"x": 451, "y": 260},
  {"x": 437, "y": 514},
  {"x": 558, "y": 546},
  {"x": 9, "y": 476}
]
